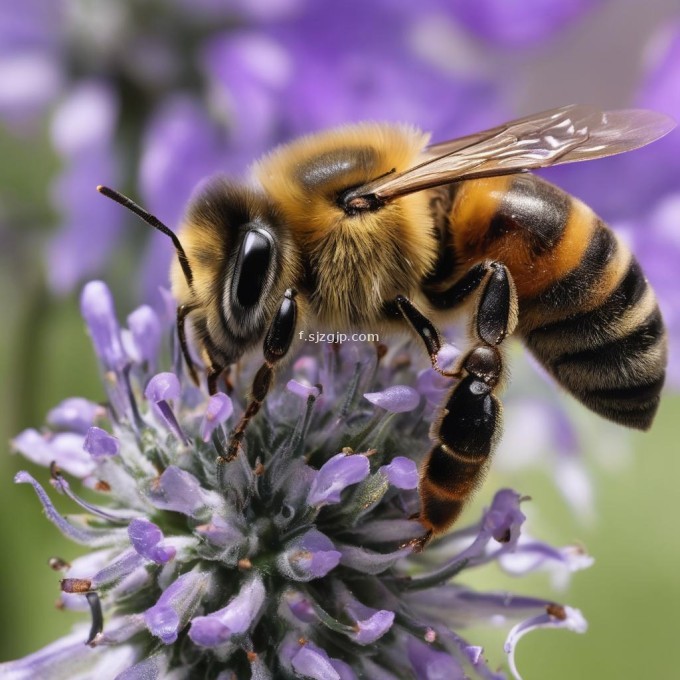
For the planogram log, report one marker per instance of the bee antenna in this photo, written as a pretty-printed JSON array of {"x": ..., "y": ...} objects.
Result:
[{"x": 155, "y": 223}]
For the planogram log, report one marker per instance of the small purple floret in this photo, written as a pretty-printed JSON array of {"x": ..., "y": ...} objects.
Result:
[
  {"x": 311, "y": 556},
  {"x": 235, "y": 618},
  {"x": 219, "y": 409},
  {"x": 176, "y": 603},
  {"x": 402, "y": 472},
  {"x": 395, "y": 399},
  {"x": 429, "y": 663},
  {"x": 555, "y": 617},
  {"x": 64, "y": 448},
  {"x": 303, "y": 391},
  {"x": 159, "y": 390},
  {"x": 180, "y": 491},
  {"x": 504, "y": 518},
  {"x": 162, "y": 387},
  {"x": 145, "y": 330},
  {"x": 75, "y": 414},
  {"x": 97, "y": 308},
  {"x": 335, "y": 475},
  {"x": 374, "y": 627},
  {"x": 100, "y": 444},
  {"x": 145, "y": 537},
  {"x": 313, "y": 662}
]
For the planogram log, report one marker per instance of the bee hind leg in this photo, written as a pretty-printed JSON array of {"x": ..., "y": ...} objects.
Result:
[
  {"x": 276, "y": 344},
  {"x": 468, "y": 424},
  {"x": 465, "y": 433}
]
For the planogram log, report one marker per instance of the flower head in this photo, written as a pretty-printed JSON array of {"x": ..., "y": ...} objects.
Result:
[{"x": 295, "y": 559}]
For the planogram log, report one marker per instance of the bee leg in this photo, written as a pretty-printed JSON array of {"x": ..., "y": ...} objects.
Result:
[
  {"x": 182, "y": 312},
  {"x": 277, "y": 342},
  {"x": 465, "y": 434},
  {"x": 469, "y": 423},
  {"x": 425, "y": 329},
  {"x": 496, "y": 308},
  {"x": 214, "y": 373}
]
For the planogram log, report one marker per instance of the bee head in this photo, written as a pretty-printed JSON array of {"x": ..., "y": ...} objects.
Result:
[{"x": 242, "y": 259}]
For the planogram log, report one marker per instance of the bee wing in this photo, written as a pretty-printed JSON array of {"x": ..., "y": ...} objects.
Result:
[{"x": 562, "y": 135}]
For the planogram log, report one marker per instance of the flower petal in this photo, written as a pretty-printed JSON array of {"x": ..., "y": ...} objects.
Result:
[
  {"x": 432, "y": 664},
  {"x": 308, "y": 557},
  {"x": 374, "y": 627},
  {"x": 74, "y": 659},
  {"x": 313, "y": 662},
  {"x": 145, "y": 331},
  {"x": 176, "y": 605},
  {"x": 180, "y": 491},
  {"x": 556, "y": 616},
  {"x": 100, "y": 444},
  {"x": 237, "y": 617},
  {"x": 402, "y": 472},
  {"x": 219, "y": 409},
  {"x": 75, "y": 414},
  {"x": 98, "y": 310},
  {"x": 395, "y": 399},
  {"x": 335, "y": 475},
  {"x": 163, "y": 387},
  {"x": 302, "y": 390},
  {"x": 145, "y": 537},
  {"x": 65, "y": 449},
  {"x": 92, "y": 537},
  {"x": 369, "y": 561}
]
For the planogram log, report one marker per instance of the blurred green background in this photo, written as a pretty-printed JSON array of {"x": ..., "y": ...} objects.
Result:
[{"x": 631, "y": 595}]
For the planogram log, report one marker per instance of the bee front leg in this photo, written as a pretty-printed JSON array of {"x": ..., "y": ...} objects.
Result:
[{"x": 277, "y": 342}]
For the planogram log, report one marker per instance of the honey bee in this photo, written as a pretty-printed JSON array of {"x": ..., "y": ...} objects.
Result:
[{"x": 368, "y": 226}]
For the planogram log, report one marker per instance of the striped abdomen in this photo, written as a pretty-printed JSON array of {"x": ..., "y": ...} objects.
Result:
[{"x": 586, "y": 310}]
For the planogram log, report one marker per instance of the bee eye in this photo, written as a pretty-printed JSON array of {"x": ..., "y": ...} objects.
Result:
[{"x": 252, "y": 266}]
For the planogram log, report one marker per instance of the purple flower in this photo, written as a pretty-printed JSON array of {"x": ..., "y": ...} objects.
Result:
[
  {"x": 218, "y": 411},
  {"x": 267, "y": 563},
  {"x": 66, "y": 449},
  {"x": 82, "y": 132},
  {"x": 309, "y": 557},
  {"x": 335, "y": 475},
  {"x": 145, "y": 334},
  {"x": 395, "y": 399},
  {"x": 237, "y": 617},
  {"x": 554, "y": 617},
  {"x": 401, "y": 472},
  {"x": 74, "y": 414},
  {"x": 160, "y": 390},
  {"x": 145, "y": 537},
  {"x": 178, "y": 490},
  {"x": 176, "y": 605},
  {"x": 99, "y": 443},
  {"x": 97, "y": 308},
  {"x": 517, "y": 24}
]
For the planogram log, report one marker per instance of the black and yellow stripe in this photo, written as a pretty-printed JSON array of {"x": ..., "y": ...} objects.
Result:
[{"x": 586, "y": 310}]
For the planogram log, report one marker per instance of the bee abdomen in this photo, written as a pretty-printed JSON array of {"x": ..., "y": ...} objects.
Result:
[{"x": 611, "y": 355}]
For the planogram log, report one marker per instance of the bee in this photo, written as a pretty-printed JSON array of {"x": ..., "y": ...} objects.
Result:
[{"x": 369, "y": 226}]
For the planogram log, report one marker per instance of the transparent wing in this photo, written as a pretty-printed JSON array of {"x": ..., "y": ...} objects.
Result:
[{"x": 563, "y": 135}]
